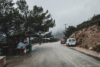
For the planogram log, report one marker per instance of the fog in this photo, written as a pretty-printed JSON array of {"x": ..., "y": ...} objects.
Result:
[{"x": 70, "y": 12}]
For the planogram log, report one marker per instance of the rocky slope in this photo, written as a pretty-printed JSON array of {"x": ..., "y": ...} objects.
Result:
[{"x": 88, "y": 37}]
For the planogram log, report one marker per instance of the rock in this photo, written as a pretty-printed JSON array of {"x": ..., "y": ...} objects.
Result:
[{"x": 91, "y": 48}]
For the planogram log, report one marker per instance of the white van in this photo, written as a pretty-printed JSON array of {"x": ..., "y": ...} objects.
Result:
[{"x": 71, "y": 41}]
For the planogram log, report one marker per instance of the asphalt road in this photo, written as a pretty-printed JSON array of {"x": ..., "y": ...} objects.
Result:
[{"x": 56, "y": 55}]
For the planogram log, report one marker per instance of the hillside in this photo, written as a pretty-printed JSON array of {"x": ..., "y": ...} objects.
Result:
[
  {"x": 88, "y": 38},
  {"x": 95, "y": 20}
]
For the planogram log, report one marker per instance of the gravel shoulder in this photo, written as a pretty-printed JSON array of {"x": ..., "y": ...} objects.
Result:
[{"x": 87, "y": 51}]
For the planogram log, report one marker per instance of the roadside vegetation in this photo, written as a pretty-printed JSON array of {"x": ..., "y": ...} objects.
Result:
[
  {"x": 92, "y": 21},
  {"x": 97, "y": 48},
  {"x": 47, "y": 35}
]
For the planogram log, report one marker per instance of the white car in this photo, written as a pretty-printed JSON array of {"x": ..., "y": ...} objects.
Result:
[{"x": 71, "y": 41}]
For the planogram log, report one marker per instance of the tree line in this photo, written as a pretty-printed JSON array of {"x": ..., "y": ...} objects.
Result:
[
  {"x": 18, "y": 20},
  {"x": 47, "y": 35},
  {"x": 92, "y": 21}
]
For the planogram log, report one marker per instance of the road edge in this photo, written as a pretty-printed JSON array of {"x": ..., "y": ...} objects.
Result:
[{"x": 96, "y": 55}]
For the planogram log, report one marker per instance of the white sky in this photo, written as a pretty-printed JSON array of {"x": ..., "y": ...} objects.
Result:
[{"x": 71, "y": 12}]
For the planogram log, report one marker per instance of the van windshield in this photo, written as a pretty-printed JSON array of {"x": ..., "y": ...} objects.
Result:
[
  {"x": 73, "y": 39},
  {"x": 70, "y": 40}
]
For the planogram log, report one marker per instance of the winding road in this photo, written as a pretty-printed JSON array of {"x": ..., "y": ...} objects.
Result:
[{"x": 56, "y": 55}]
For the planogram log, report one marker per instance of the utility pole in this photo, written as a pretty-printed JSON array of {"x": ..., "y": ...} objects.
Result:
[
  {"x": 65, "y": 27},
  {"x": 65, "y": 31}
]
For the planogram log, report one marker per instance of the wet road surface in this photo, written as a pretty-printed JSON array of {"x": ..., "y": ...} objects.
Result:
[{"x": 53, "y": 55}]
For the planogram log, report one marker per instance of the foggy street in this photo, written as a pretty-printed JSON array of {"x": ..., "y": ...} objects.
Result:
[
  {"x": 54, "y": 55},
  {"x": 68, "y": 31}
]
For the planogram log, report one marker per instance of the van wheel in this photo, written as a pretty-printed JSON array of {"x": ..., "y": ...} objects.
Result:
[{"x": 68, "y": 45}]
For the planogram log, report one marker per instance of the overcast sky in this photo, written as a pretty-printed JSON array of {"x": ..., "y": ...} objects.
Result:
[{"x": 71, "y": 12}]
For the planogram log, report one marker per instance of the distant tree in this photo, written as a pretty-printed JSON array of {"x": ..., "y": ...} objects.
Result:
[
  {"x": 69, "y": 31},
  {"x": 48, "y": 35},
  {"x": 54, "y": 39},
  {"x": 94, "y": 20}
]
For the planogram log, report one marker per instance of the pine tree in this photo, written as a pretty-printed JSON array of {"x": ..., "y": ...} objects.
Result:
[
  {"x": 6, "y": 10},
  {"x": 40, "y": 21}
]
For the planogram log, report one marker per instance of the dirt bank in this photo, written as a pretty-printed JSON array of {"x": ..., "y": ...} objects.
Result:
[
  {"x": 88, "y": 38},
  {"x": 88, "y": 51}
]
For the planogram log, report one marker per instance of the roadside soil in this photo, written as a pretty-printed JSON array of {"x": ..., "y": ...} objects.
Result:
[{"x": 87, "y": 51}]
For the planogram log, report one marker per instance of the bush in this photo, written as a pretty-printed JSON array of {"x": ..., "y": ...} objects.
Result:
[
  {"x": 86, "y": 46},
  {"x": 96, "y": 49},
  {"x": 79, "y": 43},
  {"x": 53, "y": 40}
]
